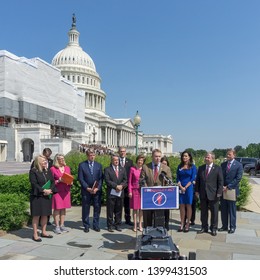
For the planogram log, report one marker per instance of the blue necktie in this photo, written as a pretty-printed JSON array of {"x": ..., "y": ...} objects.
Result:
[{"x": 91, "y": 167}]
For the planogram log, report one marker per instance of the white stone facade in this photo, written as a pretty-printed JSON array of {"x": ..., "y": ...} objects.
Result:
[{"x": 61, "y": 106}]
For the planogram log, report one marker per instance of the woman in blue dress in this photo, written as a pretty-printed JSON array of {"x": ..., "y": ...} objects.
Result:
[{"x": 186, "y": 175}]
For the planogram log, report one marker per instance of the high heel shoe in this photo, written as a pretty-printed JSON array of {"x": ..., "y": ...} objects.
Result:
[
  {"x": 180, "y": 229},
  {"x": 134, "y": 229},
  {"x": 187, "y": 228}
]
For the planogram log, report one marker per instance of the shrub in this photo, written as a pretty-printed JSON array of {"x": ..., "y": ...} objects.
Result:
[
  {"x": 245, "y": 190},
  {"x": 16, "y": 184},
  {"x": 13, "y": 211}
]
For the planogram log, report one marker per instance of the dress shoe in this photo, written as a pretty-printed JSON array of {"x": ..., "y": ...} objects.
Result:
[
  {"x": 118, "y": 228},
  {"x": 97, "y": 229},
  {"x": 110, "y": 229},
  {"x": 232, "y": 230},
  {"x": 46, "y": 236},
  {"x": 222, "y": 229},
  {"x": 37, "y": 239},
  {"x": 192, "y": 224},
  {"x": 213, "y": 232},
  {"x": 129, "y": 223},
  {"x": 203, "y": 230},
  {"x": 86, "y": 230}
]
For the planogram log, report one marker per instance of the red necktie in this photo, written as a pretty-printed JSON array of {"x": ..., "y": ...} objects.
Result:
[
  {"x": 116, "y": 170},
  {"x": 228, "y": 166},
  {"x": 155, "y": 172}
]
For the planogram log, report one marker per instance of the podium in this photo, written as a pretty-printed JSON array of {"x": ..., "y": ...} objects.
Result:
[
  {"x": 157, "y": 199},
  {"x": 155, "y": 243}
]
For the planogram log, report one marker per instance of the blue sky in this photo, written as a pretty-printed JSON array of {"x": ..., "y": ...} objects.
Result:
[{"x": 191, "y": 68}]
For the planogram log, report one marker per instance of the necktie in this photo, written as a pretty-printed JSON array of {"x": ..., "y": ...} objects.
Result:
[
  {"x": 91, "y": 167},
  {"x": 122, "y": 162},
  {"x": 207, "y": 170},
  {"x": 228, "y": 166},
  {"x": 155, "y": 172},
  {"x": 116, "y": 170}
]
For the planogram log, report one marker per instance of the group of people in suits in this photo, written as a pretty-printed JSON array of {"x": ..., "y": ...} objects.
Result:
[
  {"x": 124, "y": 180},
  {"x": 212, "y": 182},
  {"x": 117, "y": 197},
  {"x": 123, "y": 191}
]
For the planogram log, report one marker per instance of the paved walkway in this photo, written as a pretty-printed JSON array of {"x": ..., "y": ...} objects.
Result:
[{"x": 77, "y": 245}]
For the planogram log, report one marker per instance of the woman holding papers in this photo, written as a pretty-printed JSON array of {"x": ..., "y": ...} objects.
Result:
[
  {"x": 43, "y": 187},
  {"x": 134, "y": 191},
  {"x": 61, "y": 200}
]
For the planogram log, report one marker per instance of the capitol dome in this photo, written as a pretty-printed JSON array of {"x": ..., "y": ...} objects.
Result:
[
  {"x": 78, "y": 67},
  {"x": 73, "y": 54}
]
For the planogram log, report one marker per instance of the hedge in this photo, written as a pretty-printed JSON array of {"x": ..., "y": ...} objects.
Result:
[
  {"x": 13, "y": 211},
  {"x": 15, "y": 189}
]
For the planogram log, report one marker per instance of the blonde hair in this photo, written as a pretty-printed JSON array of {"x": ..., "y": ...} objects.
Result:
[
  {"x": 56, "y": 162},
  {"x": 37, "y": 162}
]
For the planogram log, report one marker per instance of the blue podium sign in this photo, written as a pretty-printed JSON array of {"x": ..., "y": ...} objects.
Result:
[{"x": 159, "y": 198}]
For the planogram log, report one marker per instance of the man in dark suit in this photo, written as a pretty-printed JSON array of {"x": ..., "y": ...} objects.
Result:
[
  {"x": 116, "y": 181},
  {"x": 232, "y": 173},
  {"x": 151, "y": 175},
  {"x": 208, "y": 188},
  {"x": 127, "y": 164},
  {"x": 90, "y": 177}
]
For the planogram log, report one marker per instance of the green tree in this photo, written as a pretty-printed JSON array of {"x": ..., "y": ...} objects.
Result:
[
  {"x": 220, "y": 153},
  {"x": 253, "y": 150}
]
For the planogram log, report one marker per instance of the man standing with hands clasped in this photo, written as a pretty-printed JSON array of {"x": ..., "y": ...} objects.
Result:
[
  {"x": 208, "y": 188},
  {"x": 90, "y": 177},
  {"x": 232, "y": 172},
  {"x": 116, "y": 181}
]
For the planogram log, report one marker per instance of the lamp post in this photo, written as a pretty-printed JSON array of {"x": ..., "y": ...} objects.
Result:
[{"x": 137, "y": 121}]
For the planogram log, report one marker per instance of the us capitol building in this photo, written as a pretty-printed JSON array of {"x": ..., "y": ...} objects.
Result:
[{"x": 61, "y": 106}]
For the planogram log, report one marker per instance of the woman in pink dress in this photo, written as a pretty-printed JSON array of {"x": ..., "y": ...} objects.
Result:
[
  {"x": 61, "y": 200},
  {"x": 134, "y": 191}
]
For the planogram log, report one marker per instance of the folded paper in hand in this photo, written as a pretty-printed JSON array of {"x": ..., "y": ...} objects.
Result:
[
  {"x": 114, "y": 192},
  {"x": 95, "y": 185},
  {"x": 230, "y": 194},
  {"x": 47, "y": 186},
  {"x": 67, "y": 178}
]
